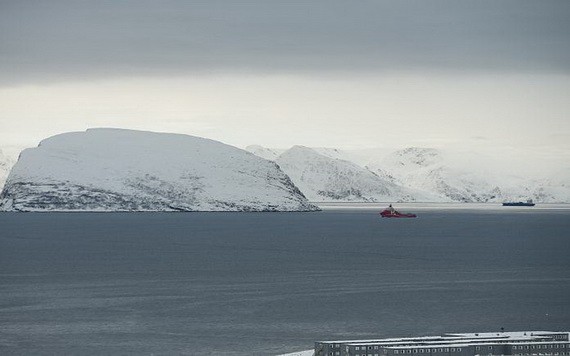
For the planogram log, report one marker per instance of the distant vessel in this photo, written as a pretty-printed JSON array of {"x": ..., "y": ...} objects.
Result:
[
  {"x": 392, "y": 213},
  {"x": 519, "y": 203}
]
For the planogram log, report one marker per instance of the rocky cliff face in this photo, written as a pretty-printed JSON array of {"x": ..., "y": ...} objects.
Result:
[{"x": 124, "y": 170}]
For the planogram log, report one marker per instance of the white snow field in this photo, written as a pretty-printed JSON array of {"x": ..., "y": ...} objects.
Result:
[
  {"x": 324, "y": 178},
  {"x": 6, "y": 164},
  {"x": 412, "y": 174},
  {"x": 426, "y": 169},
  {"x": 125, "y": 170},
  {"x": 263, "y": 152}
]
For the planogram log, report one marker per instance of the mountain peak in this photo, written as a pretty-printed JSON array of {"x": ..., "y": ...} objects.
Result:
[
  {"x": 127, "y": 170},
  {"x": 418, "y": 156},
  {"x": 301, "y": 148},
  {"x": 324, "y": 178},
  {"x": 263, "y": 152}
]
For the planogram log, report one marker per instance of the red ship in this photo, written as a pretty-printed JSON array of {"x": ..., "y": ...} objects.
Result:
[{"x": 387, "y": 213}]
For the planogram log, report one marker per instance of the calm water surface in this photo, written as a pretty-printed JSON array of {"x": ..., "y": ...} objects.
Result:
[{"x": 268, "y": 283}]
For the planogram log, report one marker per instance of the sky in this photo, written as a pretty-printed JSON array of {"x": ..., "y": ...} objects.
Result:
[{"x": 472, "y": 75}]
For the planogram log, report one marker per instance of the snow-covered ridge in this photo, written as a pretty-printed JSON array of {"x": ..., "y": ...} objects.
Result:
[
  {"x": 6, "y": 164},
  {"x": 125, "y": 170},
  {"x": 321, "y": 177},
  {"x": 413, "y": 174},
  {"x": 426, "y": 169},
  {"x": 433, "y": 170},
  {"x": 263, "y": 152}
]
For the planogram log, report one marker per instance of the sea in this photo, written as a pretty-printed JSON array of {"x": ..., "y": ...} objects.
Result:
[{"x": 272, "y": 283}]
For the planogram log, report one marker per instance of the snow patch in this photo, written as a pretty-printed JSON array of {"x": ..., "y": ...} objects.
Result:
[
  {"x": 6, "y": 164},
  {"x": 300, "y": 353}
]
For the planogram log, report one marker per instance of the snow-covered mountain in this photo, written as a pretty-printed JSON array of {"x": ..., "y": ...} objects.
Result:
[
  {"x": 6, "y": 164},
  {"x": 427, "y": 169},
  {"x": 124, "y": 170},
  {"x": 323, "y": 178},
  {"x": 420, "y": 174},
  {"x": 465, "y": 178},
  {"x": 263, "y": 152},
  {"x": 554, "y": 189}
]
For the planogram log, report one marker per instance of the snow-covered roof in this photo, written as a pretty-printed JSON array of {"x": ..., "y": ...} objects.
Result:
[
  {"x": 383, "y": 340},
  {"x": 457, "y": 340},
  {"x": 467, "y": 339},
  {"x": 504, "y": 334},
  {"x": 465, "y": 344}
]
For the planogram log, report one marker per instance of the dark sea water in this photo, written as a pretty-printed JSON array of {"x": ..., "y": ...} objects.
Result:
[{"x": 269, "y": 283}]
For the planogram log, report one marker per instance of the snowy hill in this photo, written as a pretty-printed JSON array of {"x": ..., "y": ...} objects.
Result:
[
  {"x": 6, "y": 164},
  {"x": 335, "y": 153},
  {"x": 263, "y": 152},
  {"x": 428, "y": 170},
  {"x": 123, "y": 170},
  {"x": 554, "y": 189},
  {"x": 323, "y": 178},
  {"x": 422, "y": 174},
  {"x": 461, "y": 178}
]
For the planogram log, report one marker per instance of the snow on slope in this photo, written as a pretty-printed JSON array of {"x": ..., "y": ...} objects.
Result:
[
  {"x": 555, "y": 189},
  {"x": 6, "y": 164},
  {"x": 450, "y": 175},
  {"x": 263, "y": 152},
  {"x": 123, "y": 170},
  {"x": 427, "y": 169},
  {"x": 300, "y": 353},
  {"x": 322, "y": 178},
  {"x": 272, "y": 153},
  {"x": 430, "y": 170}
]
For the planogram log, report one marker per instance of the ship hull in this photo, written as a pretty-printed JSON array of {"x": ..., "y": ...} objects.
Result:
[
  {"x": 389, "y": 214},
  {"x": 518, "y": 204}
]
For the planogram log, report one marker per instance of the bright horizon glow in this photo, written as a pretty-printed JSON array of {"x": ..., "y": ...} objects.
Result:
[{"x": 282, "y": 111}]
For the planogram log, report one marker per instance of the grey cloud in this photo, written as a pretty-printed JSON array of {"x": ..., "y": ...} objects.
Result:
[{"x": 63, "y": 40}]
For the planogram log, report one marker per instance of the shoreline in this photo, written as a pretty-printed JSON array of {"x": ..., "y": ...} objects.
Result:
[{"x": 437, "y": 206}]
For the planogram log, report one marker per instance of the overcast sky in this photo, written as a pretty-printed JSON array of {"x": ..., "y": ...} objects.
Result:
[{"x": 347, "y": 74}]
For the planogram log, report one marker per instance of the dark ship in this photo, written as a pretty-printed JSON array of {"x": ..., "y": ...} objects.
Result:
[{"x": 519, "y": 203}]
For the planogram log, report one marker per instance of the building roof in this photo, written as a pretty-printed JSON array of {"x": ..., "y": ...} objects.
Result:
[
  {"x": 508, "y": 334},
  {"x": 463, "y": 339}
]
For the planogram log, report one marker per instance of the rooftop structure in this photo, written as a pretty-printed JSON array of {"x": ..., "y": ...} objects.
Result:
[{"x": 519, "y": 343}]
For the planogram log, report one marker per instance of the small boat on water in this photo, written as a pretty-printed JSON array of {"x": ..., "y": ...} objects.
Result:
[
  {"x": 520, "y": 203},
  {"x": 388, "y": 214},
  {"x": 392, "y": 213}
]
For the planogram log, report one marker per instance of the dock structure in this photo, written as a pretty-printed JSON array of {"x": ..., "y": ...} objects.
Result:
[{"x": 519, "y": 343}]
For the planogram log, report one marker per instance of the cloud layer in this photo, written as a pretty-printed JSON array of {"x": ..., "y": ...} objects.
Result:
[{"x": 45, "y": 41}]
